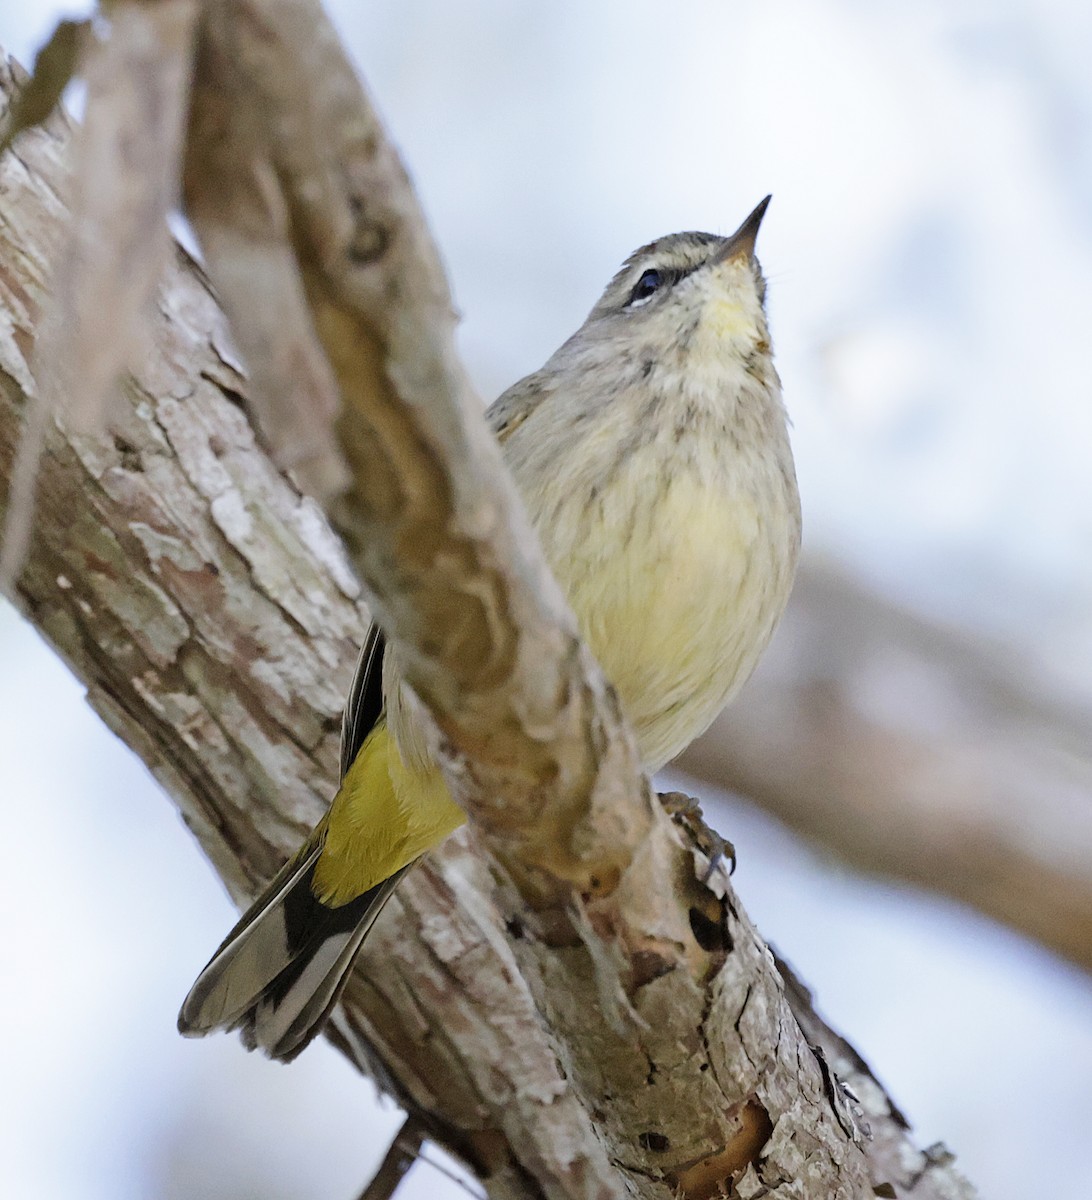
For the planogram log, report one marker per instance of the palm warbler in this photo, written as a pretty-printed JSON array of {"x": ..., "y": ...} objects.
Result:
[{"x": 652, "y": 455}]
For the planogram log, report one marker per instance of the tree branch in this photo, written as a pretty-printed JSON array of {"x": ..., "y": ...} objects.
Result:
[
  {"x": 531, "y": 737},
  {"x": 631, "y": 1037},
  {"x": 401, "y": 1155},
  {"x": 431, "y": 517}
]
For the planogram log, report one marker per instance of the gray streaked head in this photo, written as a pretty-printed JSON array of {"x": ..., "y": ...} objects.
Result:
[
  {"x": 683, "y": 320},
  {"x": 650, "y": 276},
  {"x": 685, "y": 312}
]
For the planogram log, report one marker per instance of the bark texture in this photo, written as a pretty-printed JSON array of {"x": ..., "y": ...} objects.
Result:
[{"x": 575, "y": 1014}]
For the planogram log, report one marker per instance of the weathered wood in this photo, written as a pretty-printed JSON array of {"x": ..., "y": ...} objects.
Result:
[{"x": 116, "y": 242}]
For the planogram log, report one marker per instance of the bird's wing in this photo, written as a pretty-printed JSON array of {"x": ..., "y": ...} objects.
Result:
[
  {"x": 511, "y": 408},
  {"x": 365, "y": 703}
]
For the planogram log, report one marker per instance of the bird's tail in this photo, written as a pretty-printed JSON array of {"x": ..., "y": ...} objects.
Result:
[{"x": 280, "y": 971}]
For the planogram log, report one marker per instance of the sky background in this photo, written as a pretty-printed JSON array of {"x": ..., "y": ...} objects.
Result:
[{"x": 929, "y": 250}]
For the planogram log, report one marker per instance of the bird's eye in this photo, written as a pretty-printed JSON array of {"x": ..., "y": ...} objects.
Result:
[{"x": 649, "y": 283}]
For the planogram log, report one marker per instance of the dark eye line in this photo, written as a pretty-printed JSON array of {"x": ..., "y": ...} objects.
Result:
[{"x": 669, "y": 276}]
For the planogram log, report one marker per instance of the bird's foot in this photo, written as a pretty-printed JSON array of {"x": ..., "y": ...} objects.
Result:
[{"x": 686, "y": 811}]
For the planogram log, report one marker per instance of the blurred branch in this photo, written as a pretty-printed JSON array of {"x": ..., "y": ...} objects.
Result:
[
  {"x": 911, "y": 750},
  {"x": 401, "y": 1155},
  {"x": 210, "y": 614},
  {"x": 125, "y": 181}
]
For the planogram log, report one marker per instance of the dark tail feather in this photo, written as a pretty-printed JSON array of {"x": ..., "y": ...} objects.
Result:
[{"x": 282, "y": 968}]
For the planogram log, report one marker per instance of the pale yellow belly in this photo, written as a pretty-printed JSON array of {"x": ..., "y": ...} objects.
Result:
[{"x": 676, "y": 586}]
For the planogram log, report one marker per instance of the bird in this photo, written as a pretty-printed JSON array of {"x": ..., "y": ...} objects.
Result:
[{"x": 652, "y": 454}]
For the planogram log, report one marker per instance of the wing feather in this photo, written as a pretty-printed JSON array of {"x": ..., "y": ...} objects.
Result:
[{"x": 364, "y": 706}]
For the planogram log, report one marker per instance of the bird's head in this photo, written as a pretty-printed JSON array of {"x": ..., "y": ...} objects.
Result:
[{"x": 690, "y": 302}]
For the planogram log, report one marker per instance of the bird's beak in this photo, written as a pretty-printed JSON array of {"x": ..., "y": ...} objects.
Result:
[{"x": 742, "y": 243}]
